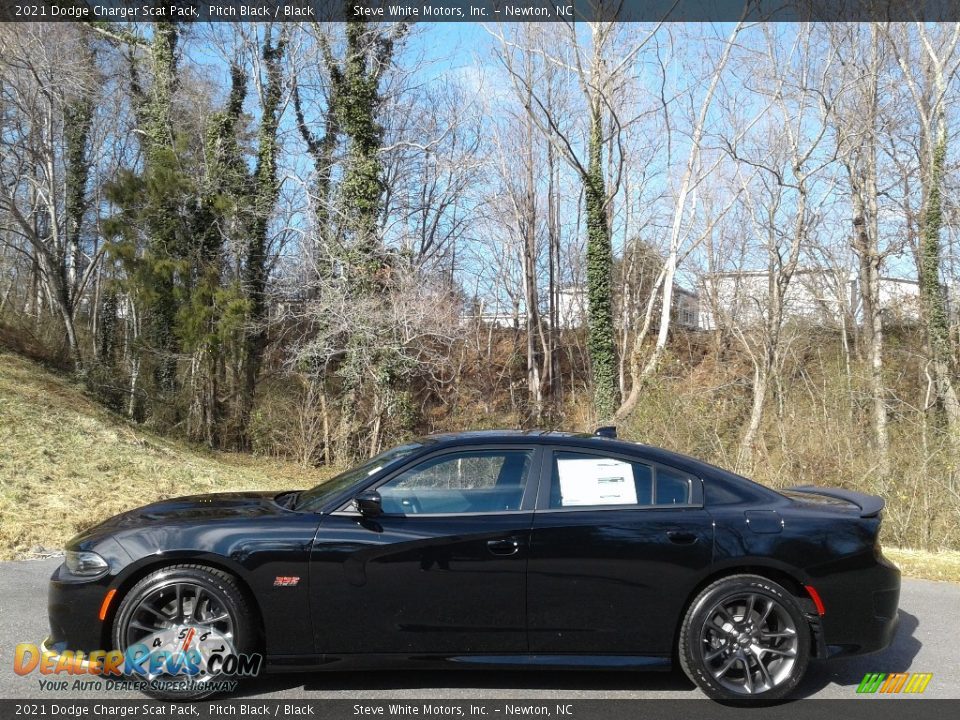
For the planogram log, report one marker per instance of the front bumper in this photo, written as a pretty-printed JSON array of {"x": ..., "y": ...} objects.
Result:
[
  {"x": 54, "y": 651},
  {"x": 73, "y": 609}
]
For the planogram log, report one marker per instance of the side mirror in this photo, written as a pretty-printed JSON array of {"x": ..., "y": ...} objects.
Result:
[{"x": 369, "y": 503}]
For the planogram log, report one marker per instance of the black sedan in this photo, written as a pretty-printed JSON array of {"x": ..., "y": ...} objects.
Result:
[{"x": 481, "y": 549}]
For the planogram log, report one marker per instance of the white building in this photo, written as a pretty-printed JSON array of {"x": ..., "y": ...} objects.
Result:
[
  {"x": 686, "y": 308},
  {"x": 819, "y": 296},
  {"x": 572, "y": 307},
  {"x": 899, "y": 300},
  {"x": 492, "y": 314},
  {"x": 572, "y": 310}
]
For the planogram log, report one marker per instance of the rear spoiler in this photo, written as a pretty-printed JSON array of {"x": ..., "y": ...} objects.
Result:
[{"x": 870, "y": 505}]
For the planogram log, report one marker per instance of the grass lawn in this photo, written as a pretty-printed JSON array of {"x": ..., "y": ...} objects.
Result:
[{"x": 66, "y": 462}]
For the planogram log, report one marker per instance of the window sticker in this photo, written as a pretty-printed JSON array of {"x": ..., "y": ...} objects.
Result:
[{"x": 596, "y": 481}]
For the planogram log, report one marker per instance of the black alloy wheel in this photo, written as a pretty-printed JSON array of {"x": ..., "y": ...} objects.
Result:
[
  {"x": 175, "y": 606},
  {"x": 745, "y": 637}
]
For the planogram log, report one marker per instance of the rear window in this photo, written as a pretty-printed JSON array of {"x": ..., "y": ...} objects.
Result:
[{"x": 722, "y": 487}]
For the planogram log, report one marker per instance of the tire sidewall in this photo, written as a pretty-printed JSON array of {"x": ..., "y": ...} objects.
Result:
[{"x": 691, "y": 653}]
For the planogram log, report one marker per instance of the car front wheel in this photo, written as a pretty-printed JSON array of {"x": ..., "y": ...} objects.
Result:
[
  {"x": 745, "y": 637},
  {"x": 181, "y": 616}
]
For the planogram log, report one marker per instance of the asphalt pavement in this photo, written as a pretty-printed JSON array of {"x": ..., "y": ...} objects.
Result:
[{"x": 925, "y": 642}]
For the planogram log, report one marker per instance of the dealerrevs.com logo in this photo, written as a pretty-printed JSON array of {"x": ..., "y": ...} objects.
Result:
[
  {"x": 892, "y": 683},
  {"x": 185, "y": 658}
]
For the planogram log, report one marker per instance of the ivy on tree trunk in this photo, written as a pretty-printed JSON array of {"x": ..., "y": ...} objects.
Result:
[
  {"x": 601, "y": 341},
  {"x": 933, "y": 298},
  {"x": 263, "y": 199}
]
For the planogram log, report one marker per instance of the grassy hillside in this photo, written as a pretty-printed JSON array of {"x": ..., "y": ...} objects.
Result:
[{"x": 66, "y": 462}]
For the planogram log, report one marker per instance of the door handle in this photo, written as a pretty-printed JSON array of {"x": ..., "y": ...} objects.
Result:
[
  {"x": 681, "y": 537},
  {"x": 503, "y": 547}
]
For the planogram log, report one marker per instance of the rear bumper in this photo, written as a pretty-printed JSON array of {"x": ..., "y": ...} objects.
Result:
[{"x": 861, "y": 609}]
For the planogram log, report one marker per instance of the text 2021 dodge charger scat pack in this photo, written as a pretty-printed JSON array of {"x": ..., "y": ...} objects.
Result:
[{"x": 481, "y": 549}]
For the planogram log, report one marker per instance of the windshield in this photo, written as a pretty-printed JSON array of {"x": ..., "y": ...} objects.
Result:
[{"x": 315, "y": 497}]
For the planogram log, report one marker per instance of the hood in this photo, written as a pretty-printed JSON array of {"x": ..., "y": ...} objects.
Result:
[{"x": 192, "y": 509}]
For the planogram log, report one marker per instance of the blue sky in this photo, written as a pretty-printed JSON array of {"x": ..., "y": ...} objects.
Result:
[{"x": 463, "y": 51}]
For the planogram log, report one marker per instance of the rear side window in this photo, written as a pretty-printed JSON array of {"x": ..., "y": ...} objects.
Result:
[
  {"x": 588, "y": 480},
  {"x": 673, "y": 487}
]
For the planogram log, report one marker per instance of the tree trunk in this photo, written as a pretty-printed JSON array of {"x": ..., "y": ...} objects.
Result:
[
  {"x": 553, "y": 241},
  {"x": 265, "y": 192},
  {"x": 54, "y": 282},
  {"x": 761, "y": 377},
  {"x": 932, "y": 297},
  {"x": 154, "y": 117},
  {"x": 641, "y": 372},
  {"x": 528, "y": 227},
  {"x": 77, "y": 121},
  {"x": 861, "y": 166},
  {"x": 327, "y": 459},
  {"x": 865, "y": 246},
  {"x": 601, "y": 341}
]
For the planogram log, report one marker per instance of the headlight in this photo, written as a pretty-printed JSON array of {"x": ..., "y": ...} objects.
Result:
[{"x": 84, "y": 563}]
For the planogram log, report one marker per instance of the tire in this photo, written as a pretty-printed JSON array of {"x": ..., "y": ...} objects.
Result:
[
  {"x": 214, "y": 592},
  {"x": 744, "y": 637}
]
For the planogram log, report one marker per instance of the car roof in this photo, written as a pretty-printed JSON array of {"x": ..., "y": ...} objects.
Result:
[
  {"x": 747, "y": 489},
  {"x": 556, "y": 437}
]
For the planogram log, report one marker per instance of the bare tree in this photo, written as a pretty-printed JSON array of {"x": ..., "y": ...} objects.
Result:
[
  {"x": 939, "y": 64},
  {"x": 602, "y": 69},
  {"x": 855, "y": 113},
  {"x": 694, "y": 174},
  {"x": 412, "y": 322},
  {"x": 788, "y": 157},
  {"x": 50, "y": 81}
]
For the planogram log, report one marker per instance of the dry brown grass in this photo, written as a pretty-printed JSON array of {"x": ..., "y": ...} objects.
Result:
[
  {"x": 943, "y": 565},
  {"x": 66, "y": 463}
]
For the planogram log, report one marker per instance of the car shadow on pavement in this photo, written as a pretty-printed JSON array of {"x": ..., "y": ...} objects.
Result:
[
  {"x": 848, "y": 672},
  {"x": 404, "y": 681}
]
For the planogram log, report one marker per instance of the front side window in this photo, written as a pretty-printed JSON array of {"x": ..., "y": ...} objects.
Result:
[
  {"x": 585, "y": 480},
  {"x": 479, "y": 481}
]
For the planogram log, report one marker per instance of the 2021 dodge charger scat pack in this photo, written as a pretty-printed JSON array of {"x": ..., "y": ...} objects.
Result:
[{"x": 481, "y": 549}]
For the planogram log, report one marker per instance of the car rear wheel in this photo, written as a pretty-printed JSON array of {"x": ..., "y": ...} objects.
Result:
[
  {"x": 745, "y": 637},
  {"x": 183, "y": 615}
]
